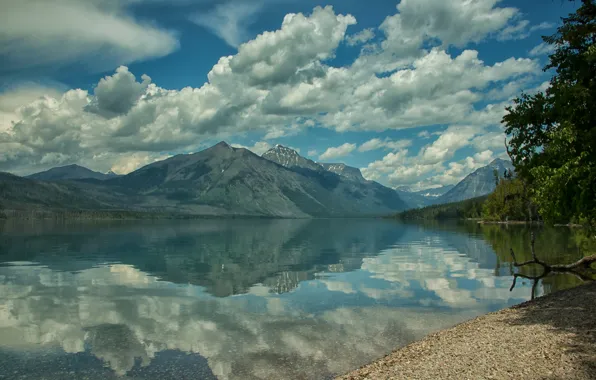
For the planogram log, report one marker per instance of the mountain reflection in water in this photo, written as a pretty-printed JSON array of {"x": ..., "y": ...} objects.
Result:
[{"x": 239, "y": 299}]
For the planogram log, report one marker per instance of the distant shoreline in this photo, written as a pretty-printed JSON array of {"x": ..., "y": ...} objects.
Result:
[
  {"x": 115, "y": 215},
  {"x": 148, "y": 215},
  {"x": 525, "y": 222},
  {"x": 550, "y": 337}
]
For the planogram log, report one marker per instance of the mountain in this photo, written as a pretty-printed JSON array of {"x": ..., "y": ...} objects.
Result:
[
  {"x": 479, "y": 183},
  {"x": 351, "y": 179},
  {"x": 345, "y": 171},
  {"x": 434, "y": 193},
  {"x": 70, "y": 172},
  {"x": 18, "y": 193},
  {"x": 223, "y": 180},
  {"x": 219, "y": 181},
  {"x": 414, "y": 200},
  {"x": 290, "y": 158},
  {"x": 421, "y": 198}
]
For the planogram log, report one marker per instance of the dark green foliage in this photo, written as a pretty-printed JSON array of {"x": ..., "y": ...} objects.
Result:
[
  {"x": 553, "y": 134},
  {"x": 508, "y": 202},
  {"x": 468, "y": 209}
]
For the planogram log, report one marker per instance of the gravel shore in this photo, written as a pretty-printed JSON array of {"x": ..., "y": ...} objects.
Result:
[{"x": 553, "y": 337}]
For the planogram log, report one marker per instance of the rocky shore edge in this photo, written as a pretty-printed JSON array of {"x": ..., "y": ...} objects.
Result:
[{"x": 551, "y": 337}]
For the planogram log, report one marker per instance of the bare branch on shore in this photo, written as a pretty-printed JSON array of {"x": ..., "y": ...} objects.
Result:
[{"x": 578, "y": 268}]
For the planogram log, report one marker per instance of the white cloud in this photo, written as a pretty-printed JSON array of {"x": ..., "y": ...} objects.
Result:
[
  {"x": 542, "y": 49},
  {"x": 229, "y": 21},
  {"x": 149, "y": 120},
  {"x": 258, "y": 148},
  {"x": 520, "y": 30},
  {"x": 117, "y": 94},
  {"x": 437, "y": 89},
  {"x": 491, "y": 140},
  {"x": 361, "y": 37},
  {"x": 336, "y": 152},
  {"x": 458, "y": 170},
  {"x": 387, "y": 143},
  {"x": 280, "y": 84},
  {"x": 455, "y": 22},
  {"x": 19, "y": 96},
  {"x": 128, "y": 163},
  {"x": 447, "y": 144},
  {"x": 276, "y": 57},
  {"x": 431, "y": 167},
  {"x": 36, "y": 33}
]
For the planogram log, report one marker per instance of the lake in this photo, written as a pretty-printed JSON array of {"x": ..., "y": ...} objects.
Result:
[{"x": 247, "y": 299}]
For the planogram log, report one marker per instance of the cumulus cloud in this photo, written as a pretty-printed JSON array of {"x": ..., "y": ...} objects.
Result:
[
  {"x": 336, "y": 152},
  {"x": 258, "y": 148},
  {"x": 491, "y": 140},
  {"x": 281, "y": 83},
  {"x": 376, "y": 143},
  {"x": 124, "y": 115},
  {"x": 437, "y": 89},
  {"x": 117, "y": 94},
  {"x": 447, "y": 144},
  {"x": 458, "y": 170},
  {"x": 361, "y": 37},
  {"x": 37, "y": 33},
  {"x": 19, "y": 96},
  {"x": 431, "y": 166}
]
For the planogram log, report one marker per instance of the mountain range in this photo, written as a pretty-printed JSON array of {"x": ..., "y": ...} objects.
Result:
[
  {"x": 227, "y": 181},
  {"x": 71, "y": 172},
  {"x": 480, "y": 182},
  {"x": 219, "y": 181}
]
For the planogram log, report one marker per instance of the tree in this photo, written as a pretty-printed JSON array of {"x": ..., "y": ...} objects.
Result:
[
  {"x": 507, "y": 202},
  {"x": 553, "y": 133}
]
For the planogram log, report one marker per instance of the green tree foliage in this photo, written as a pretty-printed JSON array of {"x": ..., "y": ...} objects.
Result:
[
  {"x": 468, "y": 209},
  {"x": 553, "y": 133},
  {"x": 508, "y": 202}
]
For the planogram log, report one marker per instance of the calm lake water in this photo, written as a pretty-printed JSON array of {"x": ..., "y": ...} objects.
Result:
[{"x": 246, "y": 299}]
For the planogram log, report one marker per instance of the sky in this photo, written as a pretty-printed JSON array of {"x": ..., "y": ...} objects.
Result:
[{"x": 412, "y": 92}]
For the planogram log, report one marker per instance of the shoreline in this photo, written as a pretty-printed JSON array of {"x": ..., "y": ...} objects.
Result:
[{"x": 551, "y": 337}]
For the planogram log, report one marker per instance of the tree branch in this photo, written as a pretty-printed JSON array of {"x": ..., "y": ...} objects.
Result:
[{"x": 575, "y": 268}]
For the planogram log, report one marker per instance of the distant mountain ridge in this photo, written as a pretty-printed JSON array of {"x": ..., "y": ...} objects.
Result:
[
  {"x": 218, "y": 181},
  {"x": 70, "y": 172},
  {"x": 480, "y": 182},
  {"x": 291, "y": 159},
  {"x": 344, "y": 170},
  {"x": 434, "y": 192}
]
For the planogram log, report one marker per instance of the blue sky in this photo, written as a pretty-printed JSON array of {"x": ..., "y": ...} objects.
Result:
[{"x": 412, "y": 92}]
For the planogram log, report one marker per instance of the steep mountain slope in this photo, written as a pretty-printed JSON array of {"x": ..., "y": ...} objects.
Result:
[
  {"x": 70, "y": 172},
  {"x": 218, "y": 181},
  {"x": 24, "y": 194},
  {"x": 226, "y": 180},
  {"x": 344, "y": 170},
  {"x": 479, "y": 183},
  {"x": 290, "y": 158},
  {"x": 369, "y": 196}
]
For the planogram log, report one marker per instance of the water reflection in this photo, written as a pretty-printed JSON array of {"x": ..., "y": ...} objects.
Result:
[{"x": 235, "y": 299}]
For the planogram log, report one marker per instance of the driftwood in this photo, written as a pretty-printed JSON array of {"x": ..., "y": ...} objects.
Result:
[{"x": 579, "y": 269}]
